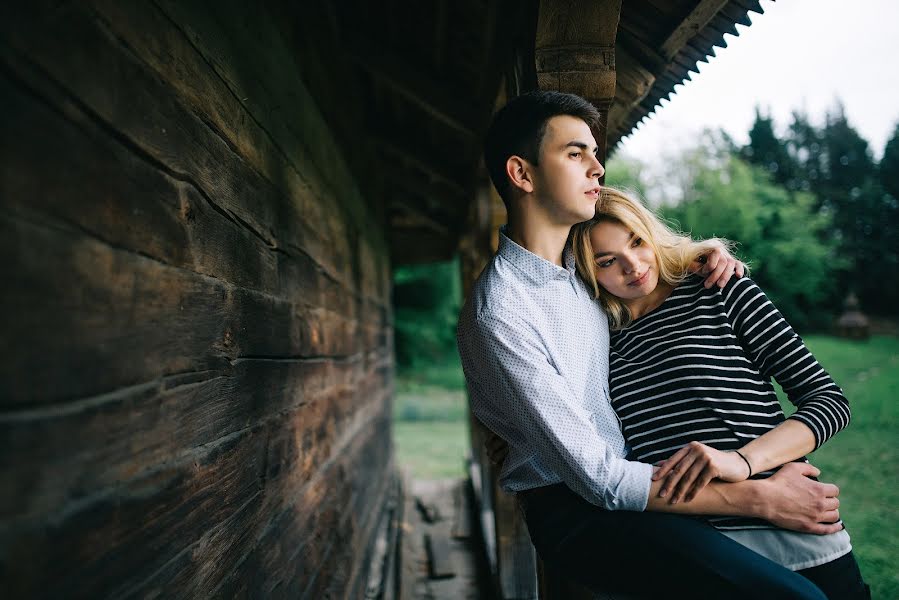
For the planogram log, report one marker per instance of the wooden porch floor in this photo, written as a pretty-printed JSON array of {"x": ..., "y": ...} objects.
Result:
[{"x": 442, "y": 555}]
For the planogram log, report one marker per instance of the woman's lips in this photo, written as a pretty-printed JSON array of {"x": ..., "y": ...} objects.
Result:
[{"x": 640, "y": 280}]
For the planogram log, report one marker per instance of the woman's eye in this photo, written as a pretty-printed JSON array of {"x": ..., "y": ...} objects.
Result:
[
  {"x": 605, "y": 263},
  {"x": 575, "y": 155},
  {"x": 638, "y": 242}
]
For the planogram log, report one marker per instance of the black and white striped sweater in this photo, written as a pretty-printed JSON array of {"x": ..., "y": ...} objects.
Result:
[{"x": 699, "y": 367}]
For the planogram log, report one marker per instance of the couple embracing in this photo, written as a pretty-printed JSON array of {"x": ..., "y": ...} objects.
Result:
[{"x": 627, "y": 369}]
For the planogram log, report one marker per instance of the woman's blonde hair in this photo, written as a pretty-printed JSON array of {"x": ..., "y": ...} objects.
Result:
[{"x": 674, "y": 250}]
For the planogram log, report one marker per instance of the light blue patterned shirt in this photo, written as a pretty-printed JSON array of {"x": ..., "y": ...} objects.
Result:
[{"x": 535, "y": 350}]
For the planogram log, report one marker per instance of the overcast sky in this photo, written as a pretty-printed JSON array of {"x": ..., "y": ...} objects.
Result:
[{"x": 798, "y": 54}]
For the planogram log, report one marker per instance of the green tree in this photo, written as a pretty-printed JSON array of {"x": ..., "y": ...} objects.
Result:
[
  {"x": 889, "y": 165},
  {"x": 834, "y": 163},
  {"x": 778, "y": 231},
  {"x": 626, "y": 173},
  {"x": 769, "y": 152},
  {"x": 851, "y": 190},
  {"x": 884, "y": 233},
  {"x": 426, "y": 303}
]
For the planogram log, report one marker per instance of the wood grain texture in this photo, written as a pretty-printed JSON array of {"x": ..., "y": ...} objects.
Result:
[{"x": 196, "y": 364}]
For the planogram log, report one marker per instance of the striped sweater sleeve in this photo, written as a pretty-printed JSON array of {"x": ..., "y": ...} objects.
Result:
[{"x": 778, "y": 352}]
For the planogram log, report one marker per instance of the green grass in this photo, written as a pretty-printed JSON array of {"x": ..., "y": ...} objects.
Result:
[
  {"x": 431, "y": 435},
  {"x": 431, "y": 421},
  {"x": 432, "y": 449},
  {"x": 864, "y": 458}
]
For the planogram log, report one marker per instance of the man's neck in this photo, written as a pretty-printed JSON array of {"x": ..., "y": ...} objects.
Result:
[{"x": 545, "y": 240}]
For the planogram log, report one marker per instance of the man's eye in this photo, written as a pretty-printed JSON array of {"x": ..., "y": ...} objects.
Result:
[
  {"x": 602, "y": 264},
  {"x": 575, "y": 155}
]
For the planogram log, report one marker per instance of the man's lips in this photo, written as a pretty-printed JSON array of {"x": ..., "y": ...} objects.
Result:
[{"x": 640, "y": 280}]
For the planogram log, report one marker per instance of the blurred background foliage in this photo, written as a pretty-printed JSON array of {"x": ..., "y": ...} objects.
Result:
[
  {"x": 426, "y": 302},
  {"x": 813, "y": 213}
]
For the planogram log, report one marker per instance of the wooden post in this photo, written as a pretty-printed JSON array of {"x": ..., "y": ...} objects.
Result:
[{"x": 575, "y": 53}]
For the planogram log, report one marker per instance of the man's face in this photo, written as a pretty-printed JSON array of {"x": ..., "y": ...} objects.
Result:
[{"x": 566, "y": 179}]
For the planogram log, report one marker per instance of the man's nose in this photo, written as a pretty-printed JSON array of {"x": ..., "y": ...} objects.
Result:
[{"x": 596, "y": 170}]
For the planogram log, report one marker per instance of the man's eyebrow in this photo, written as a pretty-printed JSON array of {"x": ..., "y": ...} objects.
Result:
[{"x": 582, "y": 146}]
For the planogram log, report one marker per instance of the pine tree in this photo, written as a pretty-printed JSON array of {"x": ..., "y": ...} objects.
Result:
[{"x": 767, "y": 151}]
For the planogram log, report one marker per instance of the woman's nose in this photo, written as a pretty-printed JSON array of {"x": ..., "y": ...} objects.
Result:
[{"x": 628, "y": 264}]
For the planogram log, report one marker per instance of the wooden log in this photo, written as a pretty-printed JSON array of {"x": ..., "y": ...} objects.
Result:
[
  {"x": 93, "y": 546},
  {"x": 174, "y": 416},
  {"x": 315, "y": 543},
  {"x": 90, "y": 181},
  {"x": 283, "y": 208},
  {"x": 98, "y": 319}
]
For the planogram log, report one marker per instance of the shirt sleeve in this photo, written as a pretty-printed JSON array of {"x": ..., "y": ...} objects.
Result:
[
  {"x": 779, "y": 352},
  {"x": 519, "y": 394}
]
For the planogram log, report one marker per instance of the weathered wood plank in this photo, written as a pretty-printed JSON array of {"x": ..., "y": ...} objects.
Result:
[
  {"x": 97, "y": 318},
  {"x": 195, "y": 389},
  {"x": 95, "y": 545},
  {"x": 74, "y": 48},
  {"x": 87, "y": 179},
  {"x": 174, "y": 416},
  {"x": 312, "y": 543},
  {"x": 65, "y": 166},
  {"x": 440, "y": 564}
]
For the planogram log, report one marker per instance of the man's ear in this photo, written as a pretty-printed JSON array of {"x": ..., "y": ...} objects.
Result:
[{"x": 518, "y": 170}]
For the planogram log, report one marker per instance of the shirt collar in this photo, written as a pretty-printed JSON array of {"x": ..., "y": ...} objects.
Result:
[{"x": 536, "y": 268}]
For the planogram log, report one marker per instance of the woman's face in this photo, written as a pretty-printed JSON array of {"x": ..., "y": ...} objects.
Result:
[{"x": 625, "y": 265}]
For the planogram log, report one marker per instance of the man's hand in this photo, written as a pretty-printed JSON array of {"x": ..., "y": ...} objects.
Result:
[
  {"x": 497, "y": 448},
  {"x": 718, "y": 266},
  {"x": 692, "y": 468},
  {"x": 794, "y": 501}
]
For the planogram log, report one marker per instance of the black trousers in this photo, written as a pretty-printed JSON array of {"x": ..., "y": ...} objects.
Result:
[
  {"x": 839, "y": 579},
  {"x": 651, "y": 554}
]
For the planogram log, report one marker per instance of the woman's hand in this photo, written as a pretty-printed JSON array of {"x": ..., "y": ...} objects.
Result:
[{"x": 692, "y": 467}]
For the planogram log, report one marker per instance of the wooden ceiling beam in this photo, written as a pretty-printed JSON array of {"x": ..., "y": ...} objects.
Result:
[
  {"x": 694, "y": 23},
  {"x": 390, "y": 148},
  {"x": 438, "y": 101}
]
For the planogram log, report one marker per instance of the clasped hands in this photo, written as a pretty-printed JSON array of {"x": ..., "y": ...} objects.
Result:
[{"x": 791, "y": 499}]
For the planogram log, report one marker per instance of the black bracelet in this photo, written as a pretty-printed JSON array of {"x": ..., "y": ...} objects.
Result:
[{"x": 746, "y": 461}]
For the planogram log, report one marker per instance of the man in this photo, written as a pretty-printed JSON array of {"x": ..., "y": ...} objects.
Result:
[{"x": 534, "y": 348}]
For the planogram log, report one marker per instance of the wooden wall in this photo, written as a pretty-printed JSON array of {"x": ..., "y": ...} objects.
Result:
[{"x": 196, "y": 350}]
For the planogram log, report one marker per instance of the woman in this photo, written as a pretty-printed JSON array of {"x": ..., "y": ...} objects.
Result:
[{"x": 690, "y": 379}]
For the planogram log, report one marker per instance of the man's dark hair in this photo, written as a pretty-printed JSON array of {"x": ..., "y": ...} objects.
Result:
[{"x": 518, "y": 129}]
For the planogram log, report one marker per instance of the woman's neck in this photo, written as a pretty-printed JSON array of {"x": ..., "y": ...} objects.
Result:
[{"x": 639, "y": 307}]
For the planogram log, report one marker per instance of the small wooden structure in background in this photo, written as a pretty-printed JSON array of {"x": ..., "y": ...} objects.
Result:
[
  {"x": 853, "y": 324},
  {"x": 201, "y": 205}
]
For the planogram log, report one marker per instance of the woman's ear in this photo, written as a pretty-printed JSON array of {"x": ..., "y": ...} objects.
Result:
[{"x": 519, "y": 173}]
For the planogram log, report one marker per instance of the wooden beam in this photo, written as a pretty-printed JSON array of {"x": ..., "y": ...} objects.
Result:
[
  {"x": 437, "y": 100},
  {"x": 647, "y": 56},
  {"x": 695, "y": 22},
  {"x": 407, "y": 156},
  {"x": 575, "y": 52}
]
